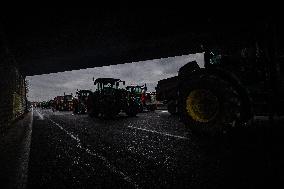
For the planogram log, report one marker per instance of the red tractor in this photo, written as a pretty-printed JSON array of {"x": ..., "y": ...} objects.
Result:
[
  {"x": 63, "y": 103},
  {"x": 58, "y": 103}
]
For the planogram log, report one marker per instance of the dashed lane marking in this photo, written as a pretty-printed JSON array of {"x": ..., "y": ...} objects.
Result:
[
  {"x": 39, "y": 114},
  {"x": 106, "y": 163},
  {"x": 157, "y": 132},
  {"x": 164, "y": 111}
]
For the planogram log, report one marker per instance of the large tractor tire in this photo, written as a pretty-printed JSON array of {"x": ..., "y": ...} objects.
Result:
[
  {"x": 109, "y": 107},
  {"x": 152, "y": 107},
  {"x": 75, "y": 110},
  {"x": 75, "y": 107},
  {"x": 91, "y": 109},
  {"x": 140, "y": 107},
  {"x": 109, "y": 113},
  {"x": 132, "y": 109},
  {"x": 92, "y": 112},
  {"x": 209, "y": 105}
]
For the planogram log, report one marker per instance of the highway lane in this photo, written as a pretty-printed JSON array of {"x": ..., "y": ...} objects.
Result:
[{"x": 152, "y": 150}]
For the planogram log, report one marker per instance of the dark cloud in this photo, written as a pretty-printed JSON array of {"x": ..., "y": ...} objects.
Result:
[{"x": 45, "y": 87}]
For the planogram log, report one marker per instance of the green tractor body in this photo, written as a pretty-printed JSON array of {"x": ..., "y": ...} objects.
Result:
[
  {"x": 149, "y": 102},
  {"x": 136, "y": 92},
  {"x": 45, "y": 104},
  {"x": 109, "y": 99},
  {"x": 227, "y": 92}
]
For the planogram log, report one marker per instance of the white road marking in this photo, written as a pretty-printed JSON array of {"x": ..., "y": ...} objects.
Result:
[
  {"x": 39, "y": 114},
  {"x": 67, "y": 132},
  {"x": 164, "y": 111},
  {"x": 106, "y": 163},
  {"x": 266, "y": 118},
  {"x": 157, "y": 132}
]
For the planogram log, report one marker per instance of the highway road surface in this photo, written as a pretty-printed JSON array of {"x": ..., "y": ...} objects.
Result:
[{"x": 152, "y": 150}]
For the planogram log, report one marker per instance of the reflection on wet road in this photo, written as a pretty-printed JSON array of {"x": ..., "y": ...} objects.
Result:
[{"x": 152, "y": 150}]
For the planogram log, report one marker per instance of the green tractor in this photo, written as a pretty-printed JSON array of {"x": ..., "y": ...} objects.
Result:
[
  {"x": 227, "y": 92},
  {"x": 136, "y": 92},
  {"x": 45, "y": 105},
  {"x": 146, "y": 100},
  {"x": 109, "y": 99},
  {"x": 80, "y": 103}
]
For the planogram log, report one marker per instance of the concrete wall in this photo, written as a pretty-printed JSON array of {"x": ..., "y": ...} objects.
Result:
[{"x": 12, "y": 89}]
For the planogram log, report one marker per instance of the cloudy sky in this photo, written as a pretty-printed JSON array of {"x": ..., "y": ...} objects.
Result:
[{"x": 47, "y": 86}]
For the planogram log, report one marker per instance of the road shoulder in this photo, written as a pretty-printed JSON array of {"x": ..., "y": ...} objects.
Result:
[{"x": 14, "y": 148}]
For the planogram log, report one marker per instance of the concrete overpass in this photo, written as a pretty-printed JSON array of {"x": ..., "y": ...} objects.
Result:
[{"x": 45, "y": 42}]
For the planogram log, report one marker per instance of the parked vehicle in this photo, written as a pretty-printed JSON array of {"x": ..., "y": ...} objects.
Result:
[
  {"x": 80, "y": 103},
  {"x": 136, "y": 92},
  {"x": 109, "y": 99},
  {"x": 63, "y": 103},
  {"x": 58, "y": 103},
  {"x": 151, "y": 101},
  {"x": 227, "y": 92}
]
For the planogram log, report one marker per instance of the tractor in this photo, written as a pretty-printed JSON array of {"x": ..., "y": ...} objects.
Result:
[
  {"x": 58, "y": 103},
  {"x": 63, "y": 103},
  {"x": 151, "y": 102},
  {"x": 44, "y": 105},
  {"x": 136, "y": 92},
  {"x": 68, "y": 102},
  {"x": 146, "y": 100},
  {"x": 230, "y": 88},
  {"x": 109, "y": 99},
  {"x": 80, "y": 103}
]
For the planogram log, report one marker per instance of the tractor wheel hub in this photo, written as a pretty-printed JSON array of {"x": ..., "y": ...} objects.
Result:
[{"x": 202, "y": 105}]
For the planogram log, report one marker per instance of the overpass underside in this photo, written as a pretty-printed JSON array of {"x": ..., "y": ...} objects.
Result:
[
  {"x": 44, "y": 42},
  {"x": 47, "y": 42}
]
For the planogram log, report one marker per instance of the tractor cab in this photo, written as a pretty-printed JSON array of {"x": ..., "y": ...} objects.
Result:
[
  {"x": 107, "y": 85},
  {"x": 136, "y": 89},
  {"x": 83, "y": 94},
  {"x": 80, "y": 103}
]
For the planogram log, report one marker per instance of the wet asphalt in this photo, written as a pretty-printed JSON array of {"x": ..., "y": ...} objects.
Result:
[{"x": 152, "y": 150}]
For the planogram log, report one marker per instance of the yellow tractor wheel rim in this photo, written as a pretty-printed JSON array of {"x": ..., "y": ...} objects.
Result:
[{"x": 202, "y": 105}]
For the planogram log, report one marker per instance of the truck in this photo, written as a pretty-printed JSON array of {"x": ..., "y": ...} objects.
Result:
[{"x": 109, "y": 99}]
